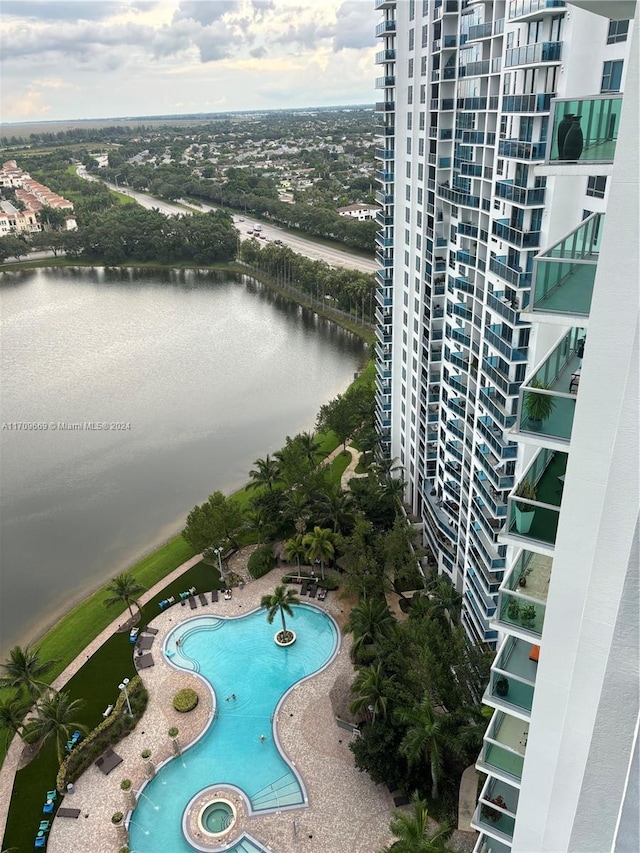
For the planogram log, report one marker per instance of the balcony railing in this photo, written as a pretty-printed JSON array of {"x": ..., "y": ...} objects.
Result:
[
  {"x": 543, "y": 51},
  {"x": 383, "y": 56},
  {"x": 585, "y": 130},
  {"x": 522, "y": 150},
  {"x": 514, "y": 665},
  {"x": 518, "y": 8},
  {"x": 385, "y": 28},
  {"x": 558, "y": 381},
  {"x": 513, "y": 275},
  {"x": 535, "y": 520},
  {"x": 505, "y": 744},
  {"x": 517, "y": 611},
  {"x": 520, "y": 195},
  {"x": 564, "y": 275},
  {"x": 527, "y": 103},
  {"x": 385, "y": 82},
  {"x": 458, "y": 197},
  {"x": 515, "y": 236},
  {"x": 480, "y": 31}
]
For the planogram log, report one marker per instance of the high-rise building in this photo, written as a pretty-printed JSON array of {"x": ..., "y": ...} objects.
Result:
[{"x": 507, "y": 383}]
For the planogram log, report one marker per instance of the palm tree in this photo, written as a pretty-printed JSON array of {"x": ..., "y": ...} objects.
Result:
[
  {"x": 425, "y": 738},
  {"x": 295, "y": 508},
  {"x": 266, "y": 473},
  {"x": 444, "y": 598},
  {"x": 279, "y": 601},
  {"x": 412, "y": 831},
  {"x": 294, "y": 548},
  {"x": 124, "y": 587},
  {"x": 12, "y": 714},
  {"x": 369, "y": 688},
  {"x": 56, "y": 720},
  {"x": 369, "y": 622},
  {"x": 319, "y": 545},
  {"x": 311, "y": 446},
  {"x": 25, "y": 670},
  {"x": 335, "y": 507}
]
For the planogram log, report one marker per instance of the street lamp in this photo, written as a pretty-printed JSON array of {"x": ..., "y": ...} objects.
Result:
[
  {"x": 123, "y": 686},
  {"x": 218, "y": 553}
]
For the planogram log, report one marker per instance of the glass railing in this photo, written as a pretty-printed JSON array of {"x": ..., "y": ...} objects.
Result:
[
  {"x": 516, "y": 611},
  {"x": 383, "y": 56},
  {"x": 522, "y": 150},
  {"x": 516, "y": 236},
  {"x": 548, "y": 399},
  {"x": 384, "y": 82},
  {"x": 385, "y": 28},
  {"x": 535, "y": 518},
  {"x": 479, "y": 31},
  {"x": 527, "y": 103},
  {"x": 543, "y": 51},
  {"x": 518, "y": 8},
  {"x": 502, "y": 760},
  {"x": 514, "y": 275},
  {"x": 520, "y": 195},
  {"x": 564, "y": 275},
  {"x": 585, "y": 130},
  {"x": 513, "y": 675}
]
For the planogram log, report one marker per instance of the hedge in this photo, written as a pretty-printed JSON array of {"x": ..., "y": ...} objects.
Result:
[
  {"x": 185, "y": 700},
  {"x": 261, "y": 561}
]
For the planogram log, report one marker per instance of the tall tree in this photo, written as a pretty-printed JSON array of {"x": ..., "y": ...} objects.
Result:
[
  {"x": 213, "y": 522},
  {"x": 336, "y": 508},
  {"x": 279, "y": 601},
  {"x": 370, "y": 690},
  {"x": 12, "y": 714},
  {"x": 124, "y": 588},
  {"x": 266, "y": 473},
  {"x": 425, "y": 739},
  {"x": 24, "y": 670},
  {"x": 294, "y": 549},
  {"x": 369, "y": 622},
  {"x": 57, "y": 718},
  {"x": 319, "y": 545}
]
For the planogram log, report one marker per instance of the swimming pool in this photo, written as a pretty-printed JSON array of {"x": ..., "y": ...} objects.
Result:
[{"x": 238, "y": 658}]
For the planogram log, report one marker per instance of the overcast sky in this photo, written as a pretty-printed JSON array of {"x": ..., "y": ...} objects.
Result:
[{"x": 77, "y": 59}]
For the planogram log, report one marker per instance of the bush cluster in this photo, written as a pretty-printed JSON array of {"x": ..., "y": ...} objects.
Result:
[
  {"x": 261, "y": 561},
  {"x": 185, "y": 700},
  {"x": 108, "y": 733}
]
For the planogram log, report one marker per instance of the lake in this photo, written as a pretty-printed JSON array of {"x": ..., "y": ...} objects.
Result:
[{"x": 195, "y": 374}]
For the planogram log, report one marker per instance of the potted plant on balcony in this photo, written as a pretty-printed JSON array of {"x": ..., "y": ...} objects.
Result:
[
  {"x": 537, "y": 407},
  {"x": 528, "y": 615},
  {"x": 513, "y": 609},
  {"x": 502, "y": 686},
  {"x": 525, "y": 512},
  {"x": 524, "y": 574}
]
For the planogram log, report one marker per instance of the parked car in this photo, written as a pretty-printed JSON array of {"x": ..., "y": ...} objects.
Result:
[{"x": 278, "y": 243}]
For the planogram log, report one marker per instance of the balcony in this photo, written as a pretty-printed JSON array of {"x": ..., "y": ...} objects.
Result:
[
  {"x": 597, "y": 120},
  {"x": 496, "y": 810},
  {"x": 520, "y": 195},
  {"x": 487, "y": 844},
  {"x": 515, "y": 236},
  {"x": 514, "y": 275},
  {"x": 385, "y": 107},
  {"x": 504, "y": 748},
  {"x": 516, "y": 611},
  {"x": 386, "y": 28},
  {"x": 480, "y": 31},
  {"x": 519, "y": 8},
  {"x": 385, "y": 82},
  {"x": 533, "y": 521},
  {"x": 514, "y": 665},
  {"x": 530, "y": 54},
  {"x": 551, "y": 393},
  {"x": 458, "y": 197},
  {"x": 383, "y": 56},
  {"x": 527, "y": 103},
  {"x": 522, "y": 150},
  {"x": 564, "y": 275}
]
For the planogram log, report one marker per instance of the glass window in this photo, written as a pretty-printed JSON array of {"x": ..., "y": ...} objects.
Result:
[
  {"x": 412, "y": 38},
  {"x": 408, "y": 145},
  {"x": 618, "y": 31},
  {"x": 611, "y": 76},
  {"x": 423, "y": 66},
  {"x": 425, "y": 36},
  {"x": 596, "y": 186},
  {"x": 412, "y": 9},
  {"x": 409, "y": 94},
  {"x": 410, "y": 68}
]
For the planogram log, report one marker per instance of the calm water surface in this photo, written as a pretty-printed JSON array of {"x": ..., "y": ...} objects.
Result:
[{"x": 206, "y": 374}]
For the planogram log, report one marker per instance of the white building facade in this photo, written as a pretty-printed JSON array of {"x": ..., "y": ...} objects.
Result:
[{"x": 509, "y": 179}]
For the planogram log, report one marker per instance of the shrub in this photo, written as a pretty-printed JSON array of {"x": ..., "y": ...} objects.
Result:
[
  {"x": 146, "y": 753},
  {"x": 125, "y": 784},
  {"x": 185, "y": 700},
  {"x": 117, "y": 817},
  {"x": 173, "y": 732},
  {"x": 261, "y": 561}
]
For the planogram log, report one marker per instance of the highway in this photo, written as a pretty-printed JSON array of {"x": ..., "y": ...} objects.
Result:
[{"x": 299, "y": 244}]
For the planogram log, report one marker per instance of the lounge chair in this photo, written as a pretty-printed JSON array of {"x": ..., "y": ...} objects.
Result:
[
  {"x": 41, "y": 841},
  {"x": 144, "y": 661},
  {"x": 313, "y": 589},
  {"x": 192, "y": 602},
  {"x": 203, "y": 598},
  {"x": 154, "y": 631},
  {"x": 145, "y": 643},
  {"x": 322, "y": 593},
  {"x": 45, "y": 826},
  {"x": 52, "y": 795},
  {"x": 47, "y": 807},
  {"x": 109, "y": 761},
  {"x": 214, "y": 596},
  {"x": 402, "y": 800},
  {"x": 304, "y": 589},
  {"x": 73, "y": 813}
]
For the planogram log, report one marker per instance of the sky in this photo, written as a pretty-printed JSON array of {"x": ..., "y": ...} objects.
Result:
[{"x": 82, "y": 59}]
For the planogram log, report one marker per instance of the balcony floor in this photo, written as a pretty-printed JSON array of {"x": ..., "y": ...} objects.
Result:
[
  {"x": 549, "y": 491},
  {"x": 539, "y": 577},
  {"x": 573, "y": 293},
  {"x": 513, "y": 733},
  {"x": 518, "y": 663}
]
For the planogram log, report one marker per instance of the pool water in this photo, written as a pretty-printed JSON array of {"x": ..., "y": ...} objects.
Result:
[
  {"x": 239, "y": 658},
  {"x": 215, "y": 817}
]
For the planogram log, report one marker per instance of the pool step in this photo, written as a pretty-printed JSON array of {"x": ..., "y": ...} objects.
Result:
[
  {"x": 247, "y": 846},
  {"x": 285, "y": 791}
]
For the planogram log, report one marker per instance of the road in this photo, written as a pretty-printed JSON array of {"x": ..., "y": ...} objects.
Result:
[{"x": 301, "y": 245}]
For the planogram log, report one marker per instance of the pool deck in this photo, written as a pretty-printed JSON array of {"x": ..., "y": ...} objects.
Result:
[{"x": 347, "y": 812}]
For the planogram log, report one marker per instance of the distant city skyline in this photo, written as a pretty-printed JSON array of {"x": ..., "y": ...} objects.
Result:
[{"x": 90, "y": 59}]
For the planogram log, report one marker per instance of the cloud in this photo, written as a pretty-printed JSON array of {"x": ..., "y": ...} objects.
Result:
[
  {"x": 205, "y": 13},
  {"x": 63, "y": 10},
  {"x": 354, "y": 27}
]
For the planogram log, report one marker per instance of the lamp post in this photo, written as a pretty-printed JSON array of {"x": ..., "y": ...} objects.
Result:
[
  {"x": 123, "y": 686},
  {"x": 218, "y": 553}
]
